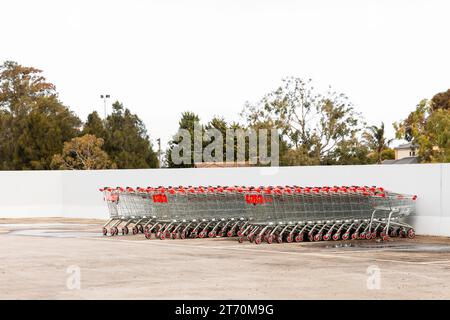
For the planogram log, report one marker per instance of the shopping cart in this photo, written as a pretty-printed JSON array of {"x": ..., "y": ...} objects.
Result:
[
  {"x": 197, "y": 212},
  {"x": 314, "y": 214},
  {"x": 266, "y": 213},
  {"x": 127, "y": 208}
]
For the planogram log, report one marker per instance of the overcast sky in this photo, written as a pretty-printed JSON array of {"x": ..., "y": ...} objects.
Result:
[{"x": 163, "y": 57}]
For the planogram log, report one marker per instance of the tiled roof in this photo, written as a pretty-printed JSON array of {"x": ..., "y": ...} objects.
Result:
[
  {"x": 405, "y": 146},
  {"x": 406, "y": 160}
]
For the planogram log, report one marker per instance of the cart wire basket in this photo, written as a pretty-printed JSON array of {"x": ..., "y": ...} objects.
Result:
[{"x": 257, "y": 214}]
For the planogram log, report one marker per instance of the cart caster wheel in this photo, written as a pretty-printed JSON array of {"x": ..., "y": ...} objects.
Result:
[
  {"x": 124, "y": 231},
  {"x": 403, "y": 233},
  {"x": 105, "y": 231},
  {"x": 362, "y": 236},
  {"x": 220, "y": 234},
  {"x": 162, "y": 237},
  {"x": 411, "y": 234},
  {"x": 148, "y": 235},
  {"x": 385, "y": 238},
  {"x": 212, "y": 234},
  {"x": 167, "y": 234},
  {"x": 290, "y": 238},
  {"x": 201, "y": 235},
  {"x": 299, "y": 238},
  {"x": 345, "y": 236},
  {"x": 326, "y": 237},
  {"x": 269, "y": 239},
  {"x": 241, "y": 239},
  {"x": 258, "y": 240},
  {"x": 230, "y": 234},
  {"x": 135, "y": 230},
  {"x": 317, "y": 237},
  {"x": 280, "y": 239},
  {"x": 354, "y": 236},
  {"x": 183, "y": 235},
  {"x": 336, "y": 236},
  {"x": 141, "y": 229}
]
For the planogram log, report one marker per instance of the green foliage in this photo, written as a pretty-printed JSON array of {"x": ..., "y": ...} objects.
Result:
[
  {"x": 441, "y": 100},
  {"x": 221, "y": 125},
  {"x": 434, "y": 143},
  {"x": 388, "y": 154},
  {"x": 187, "y": 122},
  {"x": 298, "y": 156},
  {"x": 283, "y": 145},
  {"x": 34, "y": 125},
  {"x": 349, "y": 152},
  {"x": 126, "y": 139},
  {"x": 315, "y": 124},
  {"x": 82, "y": 153},
  {"x": 428, "y": 127},
  {"x": 94, "y": 125},
  {"x": 33, "y": 122},
  {"x": 376, "y": 141},
  {"x": 190, "y": 120},
  {"x": 314, "y": 127}
]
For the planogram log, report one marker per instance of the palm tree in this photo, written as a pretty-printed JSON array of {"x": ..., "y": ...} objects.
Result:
[{"x": 376, "y": 140}]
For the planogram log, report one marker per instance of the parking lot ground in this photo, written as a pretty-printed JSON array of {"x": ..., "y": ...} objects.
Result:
[{"x": 43, "y": 258}]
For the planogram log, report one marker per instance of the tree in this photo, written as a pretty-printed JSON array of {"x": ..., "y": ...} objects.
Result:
[
  {"x": 315, "y": 124},
  {"x": 45, "y": 129},
  {"x": 94, "y": 125},
  {"x": 219, "y": 124},
  {"x": 351, "y": 151},
  {"x": 20, "y": 86},
  {"x": 441, "y": 100},
  {"x": 388, "y": 154},
  {"x": 82, "y": 153},
  {"x": 33, "y": 122},
  {"x": 127, "y": 141},
  {"x": 267, "y": 126},
  {"x": 436, "y": 140},
  {"x": 427, "y": 127},
  {"x": 376, "y": 140},
  {"x": 188, "y": 121}
]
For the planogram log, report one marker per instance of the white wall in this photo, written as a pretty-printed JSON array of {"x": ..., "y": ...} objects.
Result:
[{"x": 75, "y": 193}]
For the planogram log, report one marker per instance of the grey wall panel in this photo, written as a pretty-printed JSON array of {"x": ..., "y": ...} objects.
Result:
[{"x": 75, "y": 193}]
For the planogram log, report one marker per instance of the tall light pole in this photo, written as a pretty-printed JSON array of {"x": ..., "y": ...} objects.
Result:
[
  {"x": 159, "y": 151},
  {"x": 104, "y": 97}
]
